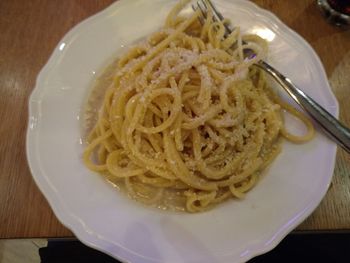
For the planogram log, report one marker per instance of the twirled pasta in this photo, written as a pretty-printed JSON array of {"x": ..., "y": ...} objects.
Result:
[{"x": 187, "y": 120}]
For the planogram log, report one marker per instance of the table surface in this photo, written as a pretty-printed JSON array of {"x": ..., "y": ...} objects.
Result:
[{"x": 30, "y": 30}]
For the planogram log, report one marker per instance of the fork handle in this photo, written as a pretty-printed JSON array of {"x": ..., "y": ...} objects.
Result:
[{"x": 332, "y": 127}]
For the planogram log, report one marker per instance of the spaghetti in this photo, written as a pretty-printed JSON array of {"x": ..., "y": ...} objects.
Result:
[{"x": 187, "y": 121}]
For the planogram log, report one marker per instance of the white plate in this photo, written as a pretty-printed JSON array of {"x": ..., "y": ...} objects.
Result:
[{"x": 105, "y": 219}]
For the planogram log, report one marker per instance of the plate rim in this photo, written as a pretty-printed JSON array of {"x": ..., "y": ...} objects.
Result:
[{"x": 92, "y": 239}]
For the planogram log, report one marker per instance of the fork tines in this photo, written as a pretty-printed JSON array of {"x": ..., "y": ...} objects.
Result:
[{"x": 203, "y": 6}]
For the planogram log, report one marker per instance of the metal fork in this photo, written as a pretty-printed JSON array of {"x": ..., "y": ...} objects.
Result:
[{"x": 332, "y": 127}]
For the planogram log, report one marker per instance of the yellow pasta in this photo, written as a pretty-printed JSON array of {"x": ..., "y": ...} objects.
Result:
[{"x": 187, "y": 121}]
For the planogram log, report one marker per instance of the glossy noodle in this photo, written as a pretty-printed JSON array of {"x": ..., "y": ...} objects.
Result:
[{"x": 187, "y": 121}]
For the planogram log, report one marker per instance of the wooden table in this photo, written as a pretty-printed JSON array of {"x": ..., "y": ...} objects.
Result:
[{"x": 30, "y": 30}]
